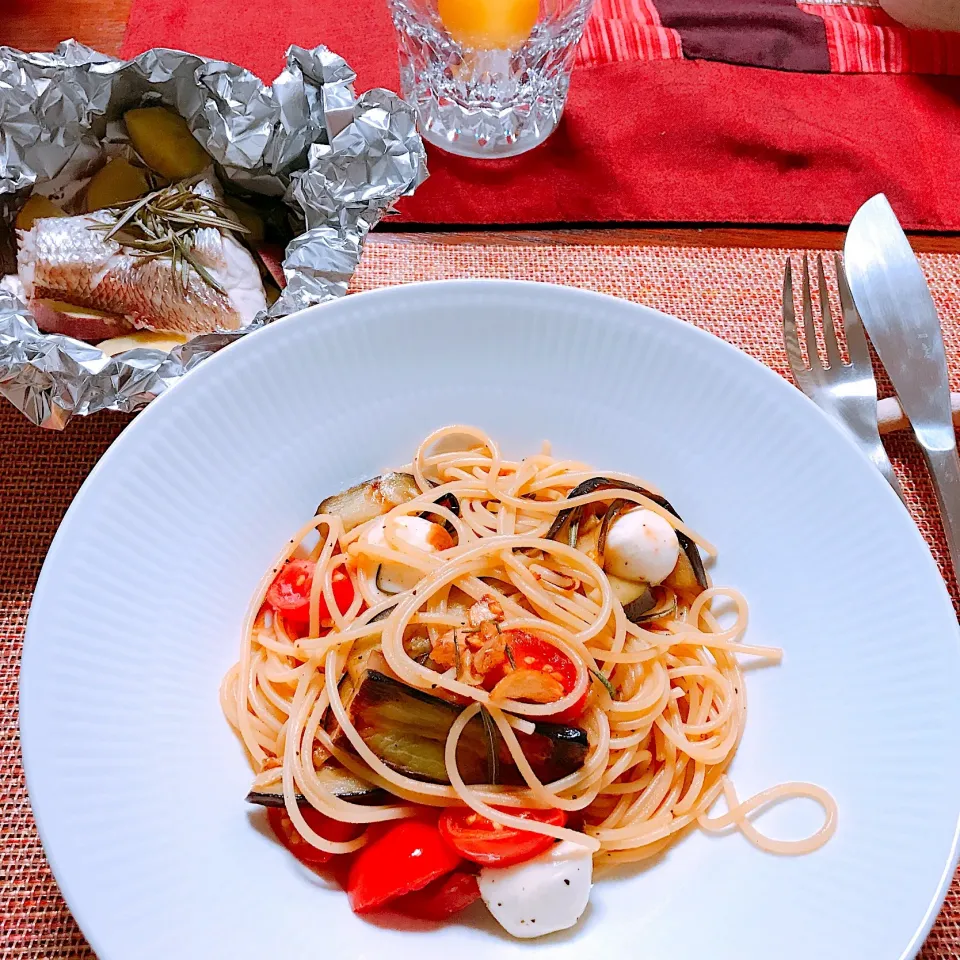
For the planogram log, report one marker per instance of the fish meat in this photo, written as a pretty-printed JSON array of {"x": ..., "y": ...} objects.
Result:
[{"x": 62, "y": 261}]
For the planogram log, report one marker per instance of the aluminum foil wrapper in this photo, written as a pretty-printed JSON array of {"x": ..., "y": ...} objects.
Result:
[{"x": 338, "y": 161}]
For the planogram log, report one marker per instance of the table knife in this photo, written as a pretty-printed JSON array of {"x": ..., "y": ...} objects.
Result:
[{"x": 894, "y": 301}]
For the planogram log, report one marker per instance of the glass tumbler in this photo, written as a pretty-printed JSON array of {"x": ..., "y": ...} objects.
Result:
[{"x": 488, "y": 78}]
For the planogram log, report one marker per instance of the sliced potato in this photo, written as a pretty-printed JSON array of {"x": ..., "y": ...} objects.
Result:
[
  {"x": 164, "y": 141},
  {"x": 155, "y": 340},
  {"x": 36, "y": 208},
  {"x": 117, "y": 182},
  {"x": 83, "y": 323}
]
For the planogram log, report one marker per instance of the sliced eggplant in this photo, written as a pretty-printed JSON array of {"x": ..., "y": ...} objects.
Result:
[
  {"x": 340, "y": 782},
  {"x": 658, "y": 603},
  {"x": 407, "y": 729},
  {"x": 616, "y": 508},
  {"x": 641, "y": 602},
  {"x": 366, "y": 654},
  {"x": 571, "y": 517},
  {"x": 626, "y": 591},
  {"x": 387, "y": 584},
  {"x": 449, "y": 501},
  {"x": 370, "y": 499},
  {"x": 383, "y": 614},
  {"x": 588, "y": 542},
  {"x": 373, "y": 498}
]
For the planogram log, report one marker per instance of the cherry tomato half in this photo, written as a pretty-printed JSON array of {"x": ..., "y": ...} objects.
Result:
[
  {"x": 404, "y": 858},
  {"x": 532, "y": 653},
  {"x": 290, "y": 592},
  {"x": 327, "y": 827},
  {"x": 440, "y": 899},
  {"x": 491, "y": 844}
]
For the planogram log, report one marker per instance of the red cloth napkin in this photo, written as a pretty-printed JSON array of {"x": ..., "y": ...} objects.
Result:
[{"x": 643, "y": 140}]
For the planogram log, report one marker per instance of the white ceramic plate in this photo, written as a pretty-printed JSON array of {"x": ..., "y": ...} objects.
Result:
[{"x": 138, "y": 784}]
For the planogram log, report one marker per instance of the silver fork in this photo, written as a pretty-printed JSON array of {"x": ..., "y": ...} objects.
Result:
[{"x": 846, "y": 392}]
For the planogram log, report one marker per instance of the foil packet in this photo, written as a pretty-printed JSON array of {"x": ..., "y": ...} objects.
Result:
[{"x": 337, "y": 161}]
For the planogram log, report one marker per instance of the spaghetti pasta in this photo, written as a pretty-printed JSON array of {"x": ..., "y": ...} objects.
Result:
[{"x": 659, "y": 695}]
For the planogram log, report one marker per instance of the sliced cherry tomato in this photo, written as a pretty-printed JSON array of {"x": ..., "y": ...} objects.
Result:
[
  {"x": 327, "y": 827},
  {"x": 491, "y": 844},
  {"x": 405, "y": 858},
  {"x": 338, "y": 870},
  {"x": 532, "y": 653},
  {"x": 440, "y": 899},
  {"x": 290, "y": 592}
]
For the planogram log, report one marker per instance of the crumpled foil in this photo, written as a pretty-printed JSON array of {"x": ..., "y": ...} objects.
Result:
[{"x": 338, "y": 161}]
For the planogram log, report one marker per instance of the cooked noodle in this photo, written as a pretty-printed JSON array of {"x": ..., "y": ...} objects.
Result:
[{"x": 659, "y": 748}]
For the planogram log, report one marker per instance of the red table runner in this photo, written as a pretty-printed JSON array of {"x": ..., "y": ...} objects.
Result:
[{"x": 650, "y": 135}]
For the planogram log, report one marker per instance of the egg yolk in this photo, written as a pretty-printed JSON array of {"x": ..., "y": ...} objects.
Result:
[{"x": 489, "y": 24}]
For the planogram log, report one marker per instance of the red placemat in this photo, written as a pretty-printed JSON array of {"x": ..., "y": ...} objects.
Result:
[
  {"x": 649, "y": 136},
  {"x": 732, "y": 293}
]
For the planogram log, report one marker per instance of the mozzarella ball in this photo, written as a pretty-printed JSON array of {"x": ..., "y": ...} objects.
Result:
[
  {"x": 417, "y": 532},
  {"x": 542, "y": 895},
  {"x": 641, "y": 545}
]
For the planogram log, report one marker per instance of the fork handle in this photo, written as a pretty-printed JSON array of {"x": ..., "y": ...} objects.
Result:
[{"x": 945, "y": 468}]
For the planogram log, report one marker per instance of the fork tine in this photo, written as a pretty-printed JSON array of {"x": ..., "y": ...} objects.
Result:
[
  {"x": 852, "y": 324},
  {"x": 810, "y": 333},
  {"x": 829, "y": 330},
  {"x": 794, "y": 353}
]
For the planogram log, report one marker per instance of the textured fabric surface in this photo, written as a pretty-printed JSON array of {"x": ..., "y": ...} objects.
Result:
[
  {"x": 732, "y": 293},
  {"x": 647, "y": 136}
]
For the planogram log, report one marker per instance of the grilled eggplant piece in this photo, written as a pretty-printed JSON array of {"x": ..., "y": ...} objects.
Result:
[
  {"x": 662, "y": 603},
  {"x": 341, "y": 783},
  {"x": 449, "y": 501},
  {"x": 641, "y": 602},
  {"x": 693, "y": 572},
  {"x": 637, "y": 611},
  {"x": 373, "y": 498},
  {"x": 370, "y": 499},
  {"x": 407, "y": 729}
]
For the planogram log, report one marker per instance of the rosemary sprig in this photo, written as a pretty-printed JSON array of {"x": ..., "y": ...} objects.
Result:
[
  {"x": 605, "y": 681},
  {"x": 493, "y": 761},
  {"x": 456, "y": 655},
  {"x": 165, "y": 223}
]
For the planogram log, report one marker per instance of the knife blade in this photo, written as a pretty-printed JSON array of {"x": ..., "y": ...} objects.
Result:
[{"x": 898, "y": 313}]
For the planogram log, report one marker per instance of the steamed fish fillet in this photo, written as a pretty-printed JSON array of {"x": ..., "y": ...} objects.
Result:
[{"x": 64, "y": 260}]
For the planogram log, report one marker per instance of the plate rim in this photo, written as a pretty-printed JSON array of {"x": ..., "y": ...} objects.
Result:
[{"x": 315, "y": 316}]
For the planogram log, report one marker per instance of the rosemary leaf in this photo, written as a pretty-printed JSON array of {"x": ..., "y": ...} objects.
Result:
[
  {"x": 493, "y": 760},
  {"x": 605, "y": 681},
  {"x": 456, "y": 655},
  {"x": 128, "y": 215}
]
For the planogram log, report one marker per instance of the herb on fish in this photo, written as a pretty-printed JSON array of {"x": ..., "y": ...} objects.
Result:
[
  {"x": 164, "y": 224},
  {"x": 605, "y": 681}
]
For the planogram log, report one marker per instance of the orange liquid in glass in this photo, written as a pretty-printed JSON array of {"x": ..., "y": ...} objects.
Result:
[{"x": 489, "y": 24}]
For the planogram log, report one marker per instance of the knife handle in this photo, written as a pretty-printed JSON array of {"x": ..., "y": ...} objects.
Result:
[{"x": 945, "y": 467}]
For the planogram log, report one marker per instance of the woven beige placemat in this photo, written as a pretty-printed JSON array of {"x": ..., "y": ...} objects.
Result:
[{"x": 733, "y": 293}]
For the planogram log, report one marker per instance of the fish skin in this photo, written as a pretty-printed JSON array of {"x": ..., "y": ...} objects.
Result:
[{"x": 63, "y": 259}]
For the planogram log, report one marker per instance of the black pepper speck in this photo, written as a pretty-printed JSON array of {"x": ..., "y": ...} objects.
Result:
[{"x": 566, "y": 881}]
